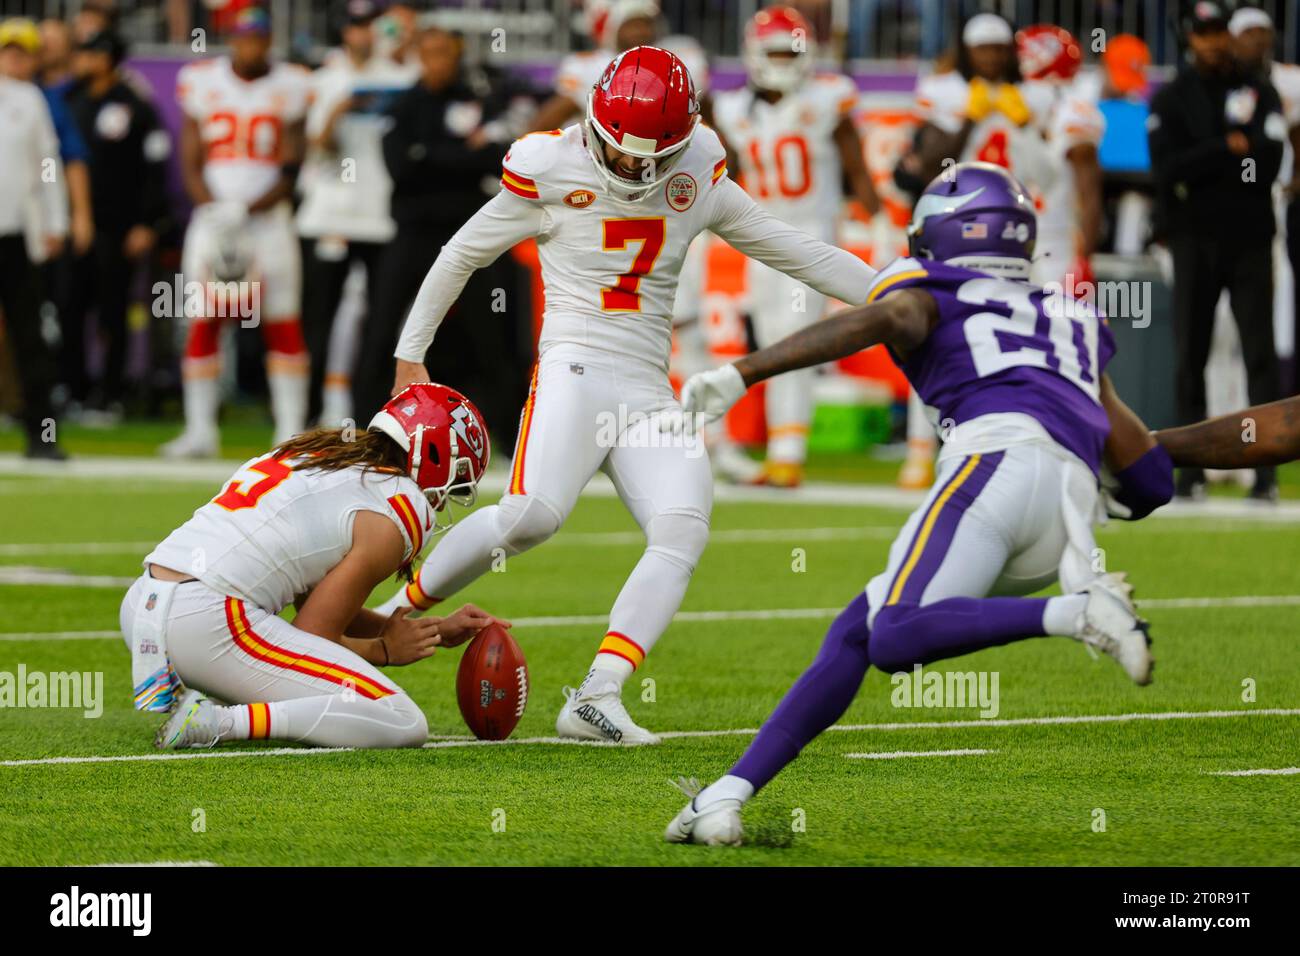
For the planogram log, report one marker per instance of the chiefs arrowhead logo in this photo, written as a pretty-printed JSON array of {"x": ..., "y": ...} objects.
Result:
[{"x": 579, "y": 198}]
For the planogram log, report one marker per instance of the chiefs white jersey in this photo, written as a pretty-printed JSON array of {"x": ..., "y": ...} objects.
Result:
[
  {"x": 578, "y": 73},
  {"x": 273, "y": 533},
  {"x": 941, "y": 100},
  {"x": 1075, "y": 120},
  {"x": 611, "y": 265},
  {"x": 787, "y": 150},
  {"x": 241, "y": 122}
]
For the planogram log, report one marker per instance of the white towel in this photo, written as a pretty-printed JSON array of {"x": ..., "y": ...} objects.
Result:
[{"x": 156, "y": 682}]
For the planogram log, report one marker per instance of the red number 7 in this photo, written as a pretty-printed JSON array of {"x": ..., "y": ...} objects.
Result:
[{"x": 624, "y": 295}]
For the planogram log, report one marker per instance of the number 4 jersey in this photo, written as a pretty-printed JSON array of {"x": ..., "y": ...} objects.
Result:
[
  {"x": 274, "y": 533},
  {"x": 1020, "y": 359}
]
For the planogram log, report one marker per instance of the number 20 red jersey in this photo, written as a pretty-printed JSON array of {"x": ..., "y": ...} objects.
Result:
[{"x": 241, "y": 122}]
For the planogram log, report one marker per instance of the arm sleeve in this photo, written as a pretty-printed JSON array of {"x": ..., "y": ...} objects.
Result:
[
  {"x": 156, "y": 151},
  {"x": 746, "y": 226},
  {"x": 1174, "y": 157},
  {"x": 504, "y": 221},
  {"x": 72, "y": 147}
]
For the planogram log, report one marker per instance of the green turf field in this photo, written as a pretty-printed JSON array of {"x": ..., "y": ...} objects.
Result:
[{"x": 1039, "y": 794}]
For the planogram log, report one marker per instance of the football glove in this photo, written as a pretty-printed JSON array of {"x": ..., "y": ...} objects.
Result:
[
  {"x": 1011, "y": 104},
  {"x": 980, "y": 103},
  {"x": 706, "y": 397}
]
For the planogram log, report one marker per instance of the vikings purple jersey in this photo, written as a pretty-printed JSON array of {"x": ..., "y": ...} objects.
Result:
[{"x": 1005, "y": 346}]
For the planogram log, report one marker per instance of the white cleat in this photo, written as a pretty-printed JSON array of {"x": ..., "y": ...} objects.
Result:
[
  {"x": 191, "y": 445},
  {"x": 193, "y": 722},
  {"x": 1111, "y": 625},
  {"x": 600, "y": 717},
  {"x": 717, "y": 824}
]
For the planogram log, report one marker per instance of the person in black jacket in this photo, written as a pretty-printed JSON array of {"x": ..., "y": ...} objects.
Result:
[
  {"x": 1216, "y": 133},
  {"x": 129, "y": 149},
  {"x": 444, "y": 142}
]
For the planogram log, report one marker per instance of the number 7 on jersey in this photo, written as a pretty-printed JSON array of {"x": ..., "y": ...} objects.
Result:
[{"x": 616, "y": 235}]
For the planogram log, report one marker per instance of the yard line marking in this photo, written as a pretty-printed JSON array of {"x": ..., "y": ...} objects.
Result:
[
  {"x": 701, "y": 617},
  {"x": 1079, "y": 719},
  {"x": 76, "y": 547},
  {"x": 894, "y": 754},
  {"x": 572, "y": 539},
  {"x": 1251, "y": 600},
  {"x": 153, "y": 863},
  {"x": 60, "y": 635},
  {"x": 438, "y": 743},
  {"x": 188, "y": 755},
  {"x": 57, "y": 578},
  {"x": 597, "y": 538},
  {"x": 1281, "y": 772},
  {"x": 104, "y": 467}
]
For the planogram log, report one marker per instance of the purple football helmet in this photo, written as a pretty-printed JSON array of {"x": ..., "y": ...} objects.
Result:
[{"x": 976, "y": 215}]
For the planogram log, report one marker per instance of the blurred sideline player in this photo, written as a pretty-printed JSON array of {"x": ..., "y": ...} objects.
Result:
[
  {"x": 318, "y": 523},
  {"x": 1069, "y": 223},
  {"x": 982, "y": 110},
  {"x": 793, "y": 134},
  {"x": 614, "y": 26},
  {"x": 241, "y": 146},
  {"x": 1021, "y": 373},
  {"x": 614, "y": 204},
  {"x": 1253, "y": 41}
]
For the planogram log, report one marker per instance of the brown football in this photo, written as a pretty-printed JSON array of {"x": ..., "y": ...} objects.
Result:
[{"x": 492, "y": 683}]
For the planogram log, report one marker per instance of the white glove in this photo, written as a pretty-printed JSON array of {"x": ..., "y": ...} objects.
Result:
[{"x": 707, "y": 395}]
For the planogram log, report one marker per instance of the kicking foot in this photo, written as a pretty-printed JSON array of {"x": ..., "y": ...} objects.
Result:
[
  {"x": 717, "y": 824},
  {"x": 600, "y": 716},
  {"x": 191, "y": 445},
  {"x": 1110, "y": 623},
  {"x": 193, "y": 722}
]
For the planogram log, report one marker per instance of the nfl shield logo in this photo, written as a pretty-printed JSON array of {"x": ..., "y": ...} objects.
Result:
[{"x": 152, "y": 602}]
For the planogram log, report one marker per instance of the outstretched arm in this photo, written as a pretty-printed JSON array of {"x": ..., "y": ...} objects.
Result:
[
  {"x": 504, "y": 221},
  {"x": 901, "y": 320},
  {"x": 760, "y": 235},
  {"x": 1251, "y": 438}
]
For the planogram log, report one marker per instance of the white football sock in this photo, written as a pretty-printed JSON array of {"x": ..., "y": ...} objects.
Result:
[
  {"x": 1063, "y": 616},
  {"x": 201, "y": 397},
  {"x": 725, "y": 788},
  {"x": 286, "y": 380},
  {"x": 331, "y": 720}
]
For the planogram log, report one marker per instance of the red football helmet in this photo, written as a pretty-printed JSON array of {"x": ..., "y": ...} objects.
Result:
[
  {"x": 644, "y": 106},
  {"x": 779, "y": 30},
  {"x": 1048, "y": 52},
  {"x": 446, "y": 441}
]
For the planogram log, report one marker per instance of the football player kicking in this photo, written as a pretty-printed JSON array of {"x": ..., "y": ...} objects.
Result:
[
  {"x": 613, "y": 203},
  {"x": 318, "y": 522},
  {"x": 1016, "y": 375}
]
